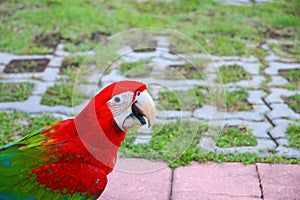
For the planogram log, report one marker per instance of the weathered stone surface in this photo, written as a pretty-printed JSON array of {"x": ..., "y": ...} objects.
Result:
[
  {"x": 255, "y": 83},
  {"x": 288, "y": 152},
  {"x": 277, "y": 81},
  {"x": 255, "y": 96},
  {"x": 173, "y": 114},
  {"x": 5, "y": 58},
  {"x": 265, "y": 106},
  {"x": 275, "y": 66},
  {"x": 276, "y": 93},
  {"x": 282, "y": 111},
  {"x": 279, "y": 181},
  {"x": 60, "y": 51},
  {"x": 215, "y": 181},
  {"x": 56, "y": 62},
  {"x": 141, "y": 184}
]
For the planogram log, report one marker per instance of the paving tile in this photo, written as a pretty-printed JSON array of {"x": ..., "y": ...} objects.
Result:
[
  {"x": 255, "y": 82},
  {"x": 215, "y": 181},
  {"x": 280, "y": 181},
  {"x": 274, "y": 67},
  {"x": 151, "y": 185},
  {"x": 282, "y": 111},
  {"x": 288, "y": 152},
  {"x": 277, "y": 81},
  {"x": 173, "y": 114},
  {"x": 255, "y": 96}
]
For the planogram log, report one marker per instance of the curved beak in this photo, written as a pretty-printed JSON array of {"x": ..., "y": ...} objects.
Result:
[{"x": 142, "y": 112}]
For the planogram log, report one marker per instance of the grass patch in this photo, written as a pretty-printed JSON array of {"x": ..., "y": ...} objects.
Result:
[
  {"x": 187, "y": 71},
  {"x": 225, "y": 32},
  {"x": 135, "y": 69},
  {"x": 293, "y": 102},
  {"x": 28, "y": 65},
  {"x": 293, "y": 76},
  {"x": 62, "y": 94},
  {"x": 182, "y": 100},
  {"x": 293, "y": 133},
  {"x": 247, "y": 158},
  {"x": 237, "y": 100},
  {"x": 235, "y": 137},
  {"x": 72, "y": 62},
  {"x": 80, "y": 47},
  {"x": 16, "y": 124},
  {"x": 234, "y": 73},
  {"x": 15, "y": 91},
  {"x": 174, "y": 143},
  {"x": 288, "y": 49}
]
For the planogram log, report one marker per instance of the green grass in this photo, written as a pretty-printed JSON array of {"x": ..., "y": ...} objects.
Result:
[
  {"x": 293, "y": 76},
  {"x": 73, "y": 62},
  {"x": 233, "y": 73},
  {"x": 16, "y": 124},
  {"x": 62, "y": 94},
  {"x": 236, "y": 100},
  {"x": 176, "y": 144},
  {"x": 235, "y": 137},
  {"x": 293, "y": 134},
  {"x": 15, "y": 91},
  {"x": 182, "y": 100},
  {"x": 221, "y": 29},
  {"x": 293, "y": 102},
  {"x": 288, "y": 49},
  {"x": 135, "y": 69},
  {"x": 187, "y": 71}
]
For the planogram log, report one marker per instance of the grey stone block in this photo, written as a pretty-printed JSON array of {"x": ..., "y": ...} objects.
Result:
[
  {"x": 282, "y": 111},
  {"x": 274, "y": 67},
  {"x": 255, "y": 96},
  {"x": 173, "y": 114}
]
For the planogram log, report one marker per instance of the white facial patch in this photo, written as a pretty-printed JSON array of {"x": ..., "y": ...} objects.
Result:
[{"x": 120, "y": 103}]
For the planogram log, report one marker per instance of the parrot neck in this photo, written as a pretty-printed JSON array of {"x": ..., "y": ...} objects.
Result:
[{"x": 96, "y": 126}]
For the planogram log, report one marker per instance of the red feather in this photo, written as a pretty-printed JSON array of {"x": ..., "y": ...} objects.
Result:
[{"x": 84, "y": 148}]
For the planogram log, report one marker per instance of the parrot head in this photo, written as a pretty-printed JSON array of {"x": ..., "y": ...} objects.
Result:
[
  {"x": 117, "y": 108},
  {"x": 130, "y": 104}
]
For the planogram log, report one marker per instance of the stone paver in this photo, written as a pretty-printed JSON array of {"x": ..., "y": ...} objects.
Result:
[
  {"x": 268, "y": 107},
  {"x": 280, "y": 181},
  {"x": 216, "y": 181},
  {"x": 142, "y": 184}
]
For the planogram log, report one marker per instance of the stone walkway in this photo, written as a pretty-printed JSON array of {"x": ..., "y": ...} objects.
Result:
[
  {"x": 215, "y": 181},
  {"x": 268, "y": 120}
]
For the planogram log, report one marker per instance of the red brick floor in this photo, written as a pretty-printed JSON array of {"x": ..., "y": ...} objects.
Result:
[
  {"x": 138, "y": 179},
  {"x": 280, "y": 181}
]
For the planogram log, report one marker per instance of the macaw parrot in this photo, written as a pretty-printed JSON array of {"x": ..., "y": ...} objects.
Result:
[{"x": 71, "y": 159}]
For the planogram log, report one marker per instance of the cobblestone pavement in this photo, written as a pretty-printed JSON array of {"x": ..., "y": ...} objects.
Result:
[{"x": 268, "y": 120}]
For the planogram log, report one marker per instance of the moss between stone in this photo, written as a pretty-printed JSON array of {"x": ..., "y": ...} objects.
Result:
[{"x": 11, "y": 92}]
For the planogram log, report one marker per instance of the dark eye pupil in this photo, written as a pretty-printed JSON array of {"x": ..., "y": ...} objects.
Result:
[{"x": 117, "y": 99}]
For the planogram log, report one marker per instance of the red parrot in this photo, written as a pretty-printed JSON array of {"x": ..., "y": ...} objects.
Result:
[{"x": 72, "y": 158}]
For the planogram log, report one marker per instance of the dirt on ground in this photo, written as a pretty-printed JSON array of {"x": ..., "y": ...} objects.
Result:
[
  {"x": 29, "y": 65},
  {"x": 50, "y": 40}
]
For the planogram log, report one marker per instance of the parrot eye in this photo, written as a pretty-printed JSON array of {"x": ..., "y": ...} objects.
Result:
[
  {"x": 117, "y": 99},
  {"x": 138, "y": 93}
]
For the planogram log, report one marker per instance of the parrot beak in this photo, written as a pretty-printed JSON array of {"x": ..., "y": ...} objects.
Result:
[{"x": 142, "y": 112}]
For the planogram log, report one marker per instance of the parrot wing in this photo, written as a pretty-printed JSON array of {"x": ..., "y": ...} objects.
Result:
[{"x": 25, "y": 171}]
